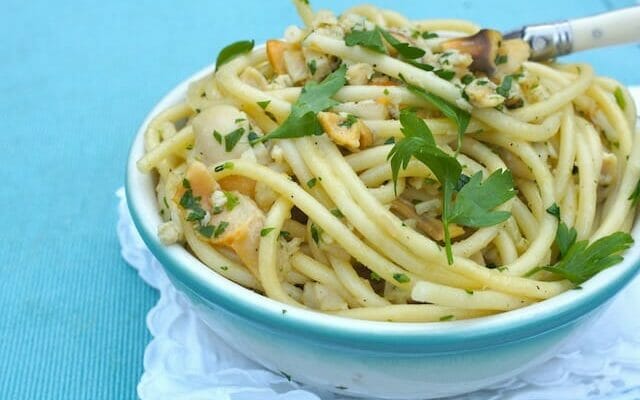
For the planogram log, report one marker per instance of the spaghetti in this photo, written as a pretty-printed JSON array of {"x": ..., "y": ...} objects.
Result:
[{"x": 374, "y": 167}]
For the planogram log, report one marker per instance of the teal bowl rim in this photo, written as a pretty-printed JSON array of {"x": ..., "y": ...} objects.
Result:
[{"x": 388, "y": 337}]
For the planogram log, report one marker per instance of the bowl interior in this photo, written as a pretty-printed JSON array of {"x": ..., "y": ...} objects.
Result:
[{"x": 440, "y": 336}]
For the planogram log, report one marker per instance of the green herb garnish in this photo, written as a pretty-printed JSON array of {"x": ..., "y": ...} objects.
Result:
[
  {"x": 554, "y": 210},
  {"x": 401, "y": 278},
  {"x": 232, "y": 138},
  {"x": 265, "y": 231},
  {"x": 622, "y": 103},
  {"x": 316, "y": 232},
  {"x": 505, "y": 86},
  {"x": 311, "y": 182},
  {"x": 445, "y": 74},
  {"x": 459, "y": 116},
  {"x": 315, "y": 97},
  {"x": 217, "y": 136},
  {"x": 222, "y": 226},
  {"x": 349, "y": 121},
  {"x": 312, "y": 66},
  {"x": 501, "y": 59},
  {"x": 232, "y": 201},
  {"x": 233, "y": 50},
  {"x": 474, "y": 201}
]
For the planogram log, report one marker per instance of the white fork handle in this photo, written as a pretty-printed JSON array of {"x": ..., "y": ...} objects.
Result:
[{"x": 608, "y": 29}]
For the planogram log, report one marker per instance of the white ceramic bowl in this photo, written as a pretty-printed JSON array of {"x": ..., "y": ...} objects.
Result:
[{"x": 362, "y": 358}]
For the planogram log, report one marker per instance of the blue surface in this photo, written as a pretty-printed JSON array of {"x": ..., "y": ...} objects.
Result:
[{"x": 76, "y": 79}]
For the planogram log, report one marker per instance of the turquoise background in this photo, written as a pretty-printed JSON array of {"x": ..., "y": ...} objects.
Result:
[{"x": 76, "y": 80}]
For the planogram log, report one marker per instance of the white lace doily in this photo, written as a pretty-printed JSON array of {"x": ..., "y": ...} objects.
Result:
[{"x": 187, "y": 360}]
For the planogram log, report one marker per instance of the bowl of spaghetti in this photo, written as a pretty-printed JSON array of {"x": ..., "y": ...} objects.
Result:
[{"x": 391, "y": 208}]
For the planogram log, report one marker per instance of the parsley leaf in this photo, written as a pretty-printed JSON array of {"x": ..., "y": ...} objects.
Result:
[
  {"x": 565, "y": 238},
  {"x": 635, "y": 196},
  {"x": 505, "y": 86},
  {"x": 476, "y": 200},
  {"x": 429, "y": 35},
  {"x": 233, "y": 50},
  {"x": 373, "y": 41},
  {"x": 401, "y": 278},
  {"x": 583, "y": 260},
  {"x": 501, "y": 59},
  {"x": 232, "y": 138},
  {"x": 422, "y": 66},
  {"x": 554, "y": 210},
  {"x": 620, "y": 98},
  {"x": 232, "y": 200},
  {"x": 404, "y": 49},
  {"x": 263, "y": 104},
  {"x": 459, "y": 116},
  {"x": 369, "y": 39},
  {"x": 206, "y": 231},
  {"x": 316, "y": 233},
  {"x": 312, "y": 66},
  {"x": 349, "y": 121},
  {"x": 419, "y": 143},
  {"x": 265, "y": 231},
  {"x": 315, "y": 97},
  {"x": 445, "y": 74},
  {"x": 222, "y": 226}
]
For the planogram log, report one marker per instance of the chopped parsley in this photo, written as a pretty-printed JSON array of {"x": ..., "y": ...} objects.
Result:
[
  {"x": 265, "y": 231},
  {"x": 206, "y": 231},
  {"x": 505, "y": 86},
  {"x": 349, "y": 121},
  {"x": 233, "y": 50},
  {"x": 223, "y": 166},
  {"x": 467, "y": 79},
  {"x": 312, "y": 66},
  {"x": 222, "y": 226},
  {"x": 501, "y": 59},
  {"x": 373, "y": 41},
  {"x": 429, "y": 35},
  {"x": 232, "y": 201},
  {"x": 622, "y": 103},
  {"x": 311, "y": 182},
  {"x": 446, "y": 318},
  {"x": 469, "y": 291},
  {"x": 217, "y": 136},
  {"x": 285, "y": 235},
  {"x": 231, "y": 139},
  {"x": 264, "y": 104},
  {"x": 337, "y": 213},
  {"x": 635, "y": 196},
  {"x": 224, "y": 268},
  {"x": 401, "y": 278},
  {"x": 445, "y": 74},
  {"x": 369, "y": 39},
  {"x": 315, "y": 97},
  {"x": 316, "y": 233},
  {"x": 252, "y": 136},
  {"x": 391, "y": 140},
  {"x": 554, "y": 210}
]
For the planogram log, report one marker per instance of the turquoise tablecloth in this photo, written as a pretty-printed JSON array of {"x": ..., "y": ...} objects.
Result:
[{"x": 76, "y": 79}]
